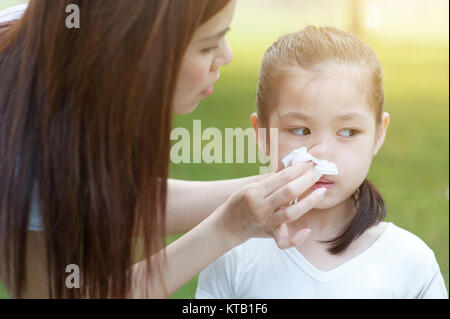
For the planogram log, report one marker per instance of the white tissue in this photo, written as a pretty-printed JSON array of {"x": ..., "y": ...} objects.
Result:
[{"x": 301, "y": 155}]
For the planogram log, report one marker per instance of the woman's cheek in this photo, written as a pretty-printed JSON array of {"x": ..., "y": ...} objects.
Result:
[
  {"x": 193, "y": 78},
  {"x": 193, "y": 74},
  {"x": 198, "y": 73}
]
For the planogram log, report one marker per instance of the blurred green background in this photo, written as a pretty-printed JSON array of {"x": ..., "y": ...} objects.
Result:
[{"x": 411, "y": 40}]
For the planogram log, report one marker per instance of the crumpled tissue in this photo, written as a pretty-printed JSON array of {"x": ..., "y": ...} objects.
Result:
[{"x": 301, "y": 155}]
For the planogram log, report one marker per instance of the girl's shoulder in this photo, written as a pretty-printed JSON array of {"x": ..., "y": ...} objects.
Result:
[{"x": 405, "y": 243}]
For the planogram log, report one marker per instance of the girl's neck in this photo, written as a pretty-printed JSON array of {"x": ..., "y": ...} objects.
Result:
[{"x": 325, "y": 223}]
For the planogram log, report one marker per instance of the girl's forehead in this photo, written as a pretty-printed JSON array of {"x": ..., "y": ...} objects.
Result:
[{"x": 322, "y": 94}]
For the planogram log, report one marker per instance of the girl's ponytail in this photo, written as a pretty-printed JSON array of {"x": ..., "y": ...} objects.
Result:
[{"x": 370, "y": 211}]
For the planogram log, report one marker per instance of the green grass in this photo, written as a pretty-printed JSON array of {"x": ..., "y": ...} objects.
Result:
[
  {"x": 411, "y": 169},
  {"x": 3, "y": 292}
]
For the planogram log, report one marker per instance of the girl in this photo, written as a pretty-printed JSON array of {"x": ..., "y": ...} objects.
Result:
[
  {"x": 322, "y": 89},
  {"x": 85, "y": 120}
]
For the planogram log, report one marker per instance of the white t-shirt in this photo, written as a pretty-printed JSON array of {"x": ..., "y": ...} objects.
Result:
[
  {"x": 12, "y": 13},
  {"x": 397, "y": 265}
]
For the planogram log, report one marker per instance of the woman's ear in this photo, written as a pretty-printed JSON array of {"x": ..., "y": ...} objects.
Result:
[
  {"x": 381, "y": 132},
  {"x": 260, "y": 138}
]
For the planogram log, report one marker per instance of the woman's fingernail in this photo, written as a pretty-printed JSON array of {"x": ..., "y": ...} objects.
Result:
[
  {"x": 321, "y": 191},
  {"x": 299, "y": 238},
  {"x": 317, "y": 173}
]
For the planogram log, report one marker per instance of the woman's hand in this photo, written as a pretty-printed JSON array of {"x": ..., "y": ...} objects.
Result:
[
  {"x": 262, "y": 209},
  {"x": 258, "y": 209}
]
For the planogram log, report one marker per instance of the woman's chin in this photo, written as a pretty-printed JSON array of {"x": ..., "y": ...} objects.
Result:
[{"x": 185, "y": 109}]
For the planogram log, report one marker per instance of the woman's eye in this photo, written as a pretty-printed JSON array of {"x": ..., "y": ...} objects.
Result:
[
  {"x": 301, "y": 131},
  {"x": 209, "y": 50},
  {"x": 350, "y": 132}
]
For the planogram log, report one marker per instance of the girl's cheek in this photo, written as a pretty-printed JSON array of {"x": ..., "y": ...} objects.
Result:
[
  {"x": 353, "y": 170},
  {"x": 284, "y": 147}
]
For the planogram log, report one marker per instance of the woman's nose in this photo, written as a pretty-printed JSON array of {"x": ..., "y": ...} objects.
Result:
[
  {"x": 224, "y": 58},
  {"x": 228, "y": 55}
]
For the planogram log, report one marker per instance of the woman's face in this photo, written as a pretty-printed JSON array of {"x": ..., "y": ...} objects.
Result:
[
  {"x": 329, "y": 114},
  {"x": 206, "y": 53}
]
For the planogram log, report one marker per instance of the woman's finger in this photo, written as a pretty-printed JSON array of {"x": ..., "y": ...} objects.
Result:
[
  {"x": 291, "y": 213},
  {"x": 283, "y": 240},
  {"x": 294, "y": 189},
  {"x": 299, "y": 237},
  {"x": 281, "y": 178},
  {"x": 281, "y": 237}
]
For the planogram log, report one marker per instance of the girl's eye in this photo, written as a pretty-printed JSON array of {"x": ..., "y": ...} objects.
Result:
[
  {"x": 351, "y": 132},
  {"x": 301, "y": 131},
  {"x": 209, "y": 50}
]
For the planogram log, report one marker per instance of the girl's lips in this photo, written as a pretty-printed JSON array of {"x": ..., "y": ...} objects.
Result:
[
  {"x": 324, "y": 180},
  {"x": 319, "y": 184}
]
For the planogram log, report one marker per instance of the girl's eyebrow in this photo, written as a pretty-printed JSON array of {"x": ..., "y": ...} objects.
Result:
[
  {"x": 217, "y": 36},
  {"x": 342, "y": 117},
  {"x": 352, "y": 115},
  {"x": 296, "y": 114}
]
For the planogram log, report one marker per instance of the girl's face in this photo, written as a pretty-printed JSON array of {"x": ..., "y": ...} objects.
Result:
[
  {"x": 328, "y": 113},
  {"x": 206, "y": 53}
]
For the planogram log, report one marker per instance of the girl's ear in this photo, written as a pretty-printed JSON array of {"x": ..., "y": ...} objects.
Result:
[
  {"x": 260, "y": 138},
  {"x": 381, "y": 132}
]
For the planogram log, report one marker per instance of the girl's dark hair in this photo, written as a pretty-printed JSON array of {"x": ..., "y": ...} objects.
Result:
[
  {"x": 309, "y": 49},
  {"x": 370, "y": 210},
  {"x": 86, "y": 114}
]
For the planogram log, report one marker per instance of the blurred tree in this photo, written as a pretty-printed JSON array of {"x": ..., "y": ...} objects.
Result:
[{"x": 355, "y": 17}]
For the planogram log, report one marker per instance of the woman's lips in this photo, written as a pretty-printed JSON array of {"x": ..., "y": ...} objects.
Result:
[{"x": 209, "y": 91}]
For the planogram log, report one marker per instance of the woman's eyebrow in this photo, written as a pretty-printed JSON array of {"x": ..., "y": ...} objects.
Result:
[{"x": 217, "y": 36}]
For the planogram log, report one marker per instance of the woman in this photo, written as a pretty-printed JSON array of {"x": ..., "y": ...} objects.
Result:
[{"x": 85, "y": 116}]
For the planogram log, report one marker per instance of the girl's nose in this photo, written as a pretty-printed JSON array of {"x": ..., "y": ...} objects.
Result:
[{"x": 320, "y": 149}]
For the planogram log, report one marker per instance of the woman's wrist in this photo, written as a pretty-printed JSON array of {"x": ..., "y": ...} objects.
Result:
[
  {"x": 190, "y": 202},
  {"x": 219, "y": 221}
]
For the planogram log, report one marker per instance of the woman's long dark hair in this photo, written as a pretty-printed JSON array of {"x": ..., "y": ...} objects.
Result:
[{"x": 85, "y": 114}]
